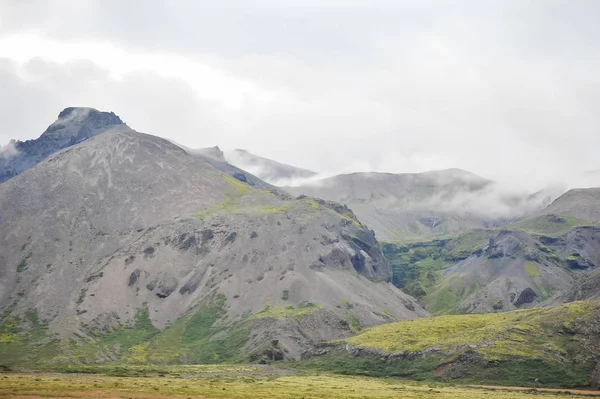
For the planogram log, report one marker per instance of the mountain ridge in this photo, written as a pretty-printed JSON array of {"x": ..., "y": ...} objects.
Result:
[
  {"x": 73, "y": 125},
  {"x": 128, "y": 232}
]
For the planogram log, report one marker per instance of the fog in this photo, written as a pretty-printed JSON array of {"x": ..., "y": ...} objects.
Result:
[{"x": 508, "y": 90}]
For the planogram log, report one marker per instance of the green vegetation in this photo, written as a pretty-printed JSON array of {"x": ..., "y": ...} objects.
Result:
[
  {"x": 422, "y": 268},
  {"x": 532, "y": 269},
  {"x": 113, "y": 344},
  {"x": 525, "y": 333},
  {"x": 81, "y": 297},
  {"x": 552, "y": 347},
  {"x": 416, "y": 267},
  {"x": 285, "y": 295},
  {"x": 246, "y": 201},
  {"x": 227, "y": 384},
  {"x": 347, "y": 304},
  {"x": 543, "y": 343},
  {"x": 431, "y": 368},
  {"x": 280, "y": 313},
  {"x": 193, "y": 338},
  {"x": 240, "y": 187},
  {"x": 354, "y": 324},
  {"x": 549, "y": 225},
  {"x": 23, "y": 263},
  {"x": 25, "y": 340}
]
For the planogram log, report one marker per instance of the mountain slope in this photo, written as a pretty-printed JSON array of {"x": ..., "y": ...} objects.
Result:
[
  {"x": 274, "y": 172},
  {"x": 401, "y": 207},
  {"x": 125, "y": 244},
  {"x": 548, "y": 258},
  {"x": 579, "y": 203}
]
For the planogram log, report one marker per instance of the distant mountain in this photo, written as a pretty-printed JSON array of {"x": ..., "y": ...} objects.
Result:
[
  {"x": 549, "y": 258},
  {"x": 211, "y": 152},
  {"x": 580, "y": 203},
  {"x": 274, "y": 172},
  {"x": 125, "y": 248},
  {"x": 409, "y": 206},
  {"x": 73, "y": 126}
]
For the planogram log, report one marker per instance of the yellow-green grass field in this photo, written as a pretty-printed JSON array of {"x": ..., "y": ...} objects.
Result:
[{"x": 231, "y": 383}]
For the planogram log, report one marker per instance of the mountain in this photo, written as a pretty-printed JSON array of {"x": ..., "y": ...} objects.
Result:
[
  {"x": 73, "y": 126},
  {"x": 211, "y": 152},
  {"x": 215, "y": 157},
  {"x": 124, "y": 247},
  {"x": 549, "y": 258},
  {"x": 578, "y": 203},
  {"x": 274, "y": 172},
  {"x": 411, "y": 206}
]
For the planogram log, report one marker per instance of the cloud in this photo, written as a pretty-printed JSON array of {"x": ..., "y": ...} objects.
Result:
[
  {"x": 8, "y": 151},
  {"x": 391, "y": 86}
]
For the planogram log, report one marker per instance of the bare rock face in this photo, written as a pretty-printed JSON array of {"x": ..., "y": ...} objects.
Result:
[
  {"x": 124, "y": 222},
  {"x": 73, "y": 126}
]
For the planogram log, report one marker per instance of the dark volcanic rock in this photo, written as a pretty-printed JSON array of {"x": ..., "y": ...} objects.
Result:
[{"x": 528, "y": 295}]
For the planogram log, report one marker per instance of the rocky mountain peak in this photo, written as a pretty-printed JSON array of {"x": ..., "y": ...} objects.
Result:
[
  {"x": 81, "y": 119},
  {"x": 74, "y": 125}
]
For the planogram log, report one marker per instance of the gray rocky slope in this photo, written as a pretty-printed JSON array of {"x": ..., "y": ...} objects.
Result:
[{"x": 127, "y": 221}]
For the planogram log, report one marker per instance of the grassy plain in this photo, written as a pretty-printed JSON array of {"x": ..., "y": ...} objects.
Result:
[{"x": 245, "y": 383}]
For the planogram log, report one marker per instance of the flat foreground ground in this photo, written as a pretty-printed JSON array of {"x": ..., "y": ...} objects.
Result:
[{"x": 247, "y": 384}]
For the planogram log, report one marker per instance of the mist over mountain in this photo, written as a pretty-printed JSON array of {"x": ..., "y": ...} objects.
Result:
[{"x": 274, "y": 172}]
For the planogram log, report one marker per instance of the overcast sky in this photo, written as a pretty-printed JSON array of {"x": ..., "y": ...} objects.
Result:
[{"x": 506, "y": 89}]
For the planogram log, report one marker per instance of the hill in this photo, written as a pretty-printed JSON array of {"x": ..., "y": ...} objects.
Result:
[
  {"x": 544, "y": 259},
  {"x": 578, "y": 203},
  {"x": 124, "y": 247},
  {"x": 413, "y": 206},
  {"x": 535, "y": 347}
]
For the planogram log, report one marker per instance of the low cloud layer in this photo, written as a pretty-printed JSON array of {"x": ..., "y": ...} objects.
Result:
[
  {"x": 7, "y": 152},
  {"x": 507, "y": 90}
]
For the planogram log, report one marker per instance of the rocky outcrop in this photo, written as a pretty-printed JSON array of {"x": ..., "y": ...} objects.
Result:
[{"x": 73, "y": 126}]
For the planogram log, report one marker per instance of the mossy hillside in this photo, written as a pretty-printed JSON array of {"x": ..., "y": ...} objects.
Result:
[
  {"x": 247, "y": 201},
  {"x": 282, "y": 312},
  {"x": 537, "y": 347},
  {"x": 200, "y": 338},
  {"x": 418, "y": 267},
  {"x": 25, "y": 340},
  {"x": 549, "y": 225},
  {"x": 197, "y": 337},
  {"x": 529, "y": 334},
  {"x": 532, "y": 269},
  {"x": 470, "y": 370},
  {"x": 112, "y": 345}
]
